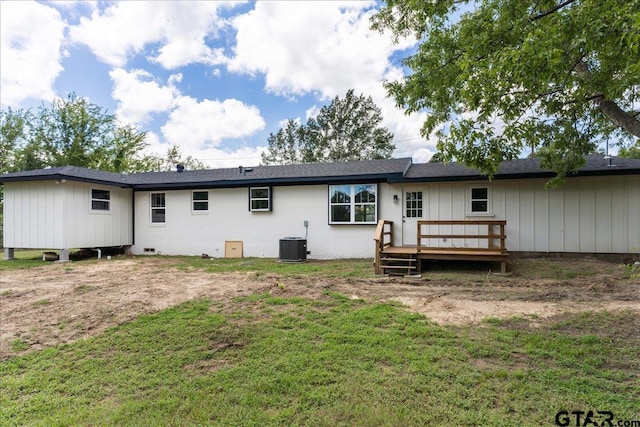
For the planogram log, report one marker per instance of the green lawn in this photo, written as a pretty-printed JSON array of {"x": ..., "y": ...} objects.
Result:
[{"x": 265, "y": 360}]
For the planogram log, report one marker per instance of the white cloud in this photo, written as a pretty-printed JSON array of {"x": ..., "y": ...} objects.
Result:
[
  {"x": 325, "y": 48},
  {"x": 31, "y": 36},
  {"x": 422, "y": 155},
  {"x": 206, "y": 123},
  {"x": 125, "y": 29},
  {"x": 302, "y": 47},
  {"x": 312, "y": 113},
  {"x": 139, "y": 94}
]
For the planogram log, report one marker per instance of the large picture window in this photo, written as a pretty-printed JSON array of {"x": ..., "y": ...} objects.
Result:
[
  {"x": 353, "y": 204},
  {"x": 100, "y": 200},
  {"x": 200, "y": 201},
  {"x": 259, "y": 199},
  {"x": 158, "y": 205}
]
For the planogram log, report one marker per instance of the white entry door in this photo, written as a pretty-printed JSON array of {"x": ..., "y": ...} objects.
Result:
[{"x": 413, "y": 209}]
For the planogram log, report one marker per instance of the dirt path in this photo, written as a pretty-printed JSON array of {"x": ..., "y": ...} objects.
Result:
[{"x": 59, "y": 303}]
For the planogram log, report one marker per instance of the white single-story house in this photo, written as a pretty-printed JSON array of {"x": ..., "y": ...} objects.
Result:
[{"x": 335, "y": 207}]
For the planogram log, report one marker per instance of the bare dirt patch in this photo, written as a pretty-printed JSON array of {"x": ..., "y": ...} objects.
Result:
[{"x": 60, "y": 303}]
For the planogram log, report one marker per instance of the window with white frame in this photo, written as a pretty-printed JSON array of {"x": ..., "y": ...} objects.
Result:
[
  {"x": 100, "y": 200},
  {"x": 158, "y": 208},
  {"x": 353, "y": 204},
  {"x": 260, "y": 199},
  {"x": 479, "y": 200},
  {"x": 200, "y": 201}
]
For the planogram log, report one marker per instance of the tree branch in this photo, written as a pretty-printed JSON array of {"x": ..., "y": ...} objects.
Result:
[
  {"x": 609, "y": 108},
  {"x": 552, "y": 10}
]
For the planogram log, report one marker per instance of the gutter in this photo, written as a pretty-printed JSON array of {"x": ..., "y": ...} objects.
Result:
[
  {"x": 57, "y": 177},
  {"x": 356, "y": 179}
]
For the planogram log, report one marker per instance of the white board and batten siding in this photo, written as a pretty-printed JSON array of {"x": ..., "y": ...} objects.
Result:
[
  {"x": 187, "y": 232},
  {"x": 46, "y": 214},
  {"x": 586, "y": 215}
]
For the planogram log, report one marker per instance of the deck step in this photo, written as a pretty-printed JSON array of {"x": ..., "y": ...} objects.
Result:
[
  {"x": 404, "y": 267},
  {"x": 398, "y": 259}
]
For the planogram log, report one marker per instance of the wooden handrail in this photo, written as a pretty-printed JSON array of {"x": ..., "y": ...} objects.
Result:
[
  {"x": 490, "y": 236},
  {"x": 383, "y": 238}
]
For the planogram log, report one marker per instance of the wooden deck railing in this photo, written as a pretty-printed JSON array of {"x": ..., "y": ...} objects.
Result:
[
  {"x": 495, "y": 235},
  {"x": 383, "y": 239}
]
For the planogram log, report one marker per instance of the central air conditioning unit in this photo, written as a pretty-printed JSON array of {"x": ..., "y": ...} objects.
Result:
[{"x": 293, "y": 249}]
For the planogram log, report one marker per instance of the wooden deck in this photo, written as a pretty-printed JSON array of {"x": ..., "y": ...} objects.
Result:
[{"x": 389, "y": 258}]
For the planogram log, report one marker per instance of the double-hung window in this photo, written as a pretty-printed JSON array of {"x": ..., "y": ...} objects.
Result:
[
  {"x": 100, "y": 200},
  {"x": 353, "y": 204},
  {"x": 158, "y": 208},
  {"x": 479, "y": 200},
  {"x": 200, "y": 201},
  {"x": 259, "y": 199}
]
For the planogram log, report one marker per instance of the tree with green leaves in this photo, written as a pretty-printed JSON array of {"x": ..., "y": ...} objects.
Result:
[
  {"x": 347, "y": 129},
  {"x": 12, "y": 136},
  {"x": 496, "y": 76},
  {"x": 632, "y": 152},
  {"x": 73, "y": 131},
  {"x": 172, "y": 159},
  {"x": 288, "y": 146}
]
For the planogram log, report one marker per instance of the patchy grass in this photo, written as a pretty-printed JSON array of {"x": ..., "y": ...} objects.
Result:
[
  {"x": 260, "y": 266},
  {"x": 472, "y": 272},
  {"x": 19, "y": 345},
  {"x": 561, "y": 268},
  {"x": 266, "y": 360},
  {"x": 23, "y": 259}
]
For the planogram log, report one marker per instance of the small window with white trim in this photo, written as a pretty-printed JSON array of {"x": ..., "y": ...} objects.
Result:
[
  {"x": 100, "y": 200},
  {"x": 479, "y": 200},
  {"x": 200, "y": 201},
  {"x": 260, "y": 199},
  {"x": 158, "y": 205}
]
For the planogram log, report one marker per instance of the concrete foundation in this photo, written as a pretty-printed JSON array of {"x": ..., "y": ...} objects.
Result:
[{"x": 9, "y": 254}]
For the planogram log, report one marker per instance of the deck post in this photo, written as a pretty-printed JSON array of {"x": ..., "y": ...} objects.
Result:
[{"x": 378, "y": 239}]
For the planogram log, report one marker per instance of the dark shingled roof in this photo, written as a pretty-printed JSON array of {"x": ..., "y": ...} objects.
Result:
[
  {"x": 75, "y": 173},
  {"x": 389, "y": 170},
  {"x": 369, "y": 170},
  {"x": 596, "y": 164},
  {"x": 374, "y": 170}
]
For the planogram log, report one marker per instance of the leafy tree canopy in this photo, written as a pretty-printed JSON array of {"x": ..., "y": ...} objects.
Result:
[
  {"x": 173, "y": 158},
  {"x": 70, "y": 131},
  {"x": 73, "y": 131},
  {"x": 496, "y": 76},
  {"x": 632, "y": 152},
  {"x": 347, "y": 129}
]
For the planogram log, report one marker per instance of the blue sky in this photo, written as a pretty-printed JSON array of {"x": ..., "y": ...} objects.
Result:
[{"x": 215, "y": 78}]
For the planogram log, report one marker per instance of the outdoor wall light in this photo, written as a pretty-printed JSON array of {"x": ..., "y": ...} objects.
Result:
[{"x": 395, "y": 199}]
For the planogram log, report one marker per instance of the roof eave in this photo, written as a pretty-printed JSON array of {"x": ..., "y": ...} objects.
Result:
[
  {"x": 354, "y": 179},
  {"x": 58, "y": 176}
]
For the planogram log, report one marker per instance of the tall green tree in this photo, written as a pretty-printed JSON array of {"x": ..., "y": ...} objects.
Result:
[
  {"x": 288, "y": 146},
  {"x": 73, "y": 131},
  {"x": 12, "y": 135},
  {"x": 347, "y": 129},
  {"x": 496, "y": 76}
]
